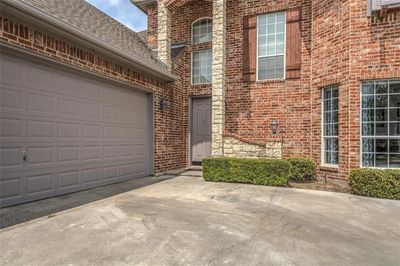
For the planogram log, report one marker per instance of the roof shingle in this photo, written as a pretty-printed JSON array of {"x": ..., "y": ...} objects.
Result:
[{"x": 87, "y": 18}]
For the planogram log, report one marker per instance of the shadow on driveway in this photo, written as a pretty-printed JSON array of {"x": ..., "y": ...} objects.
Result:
[{"x": 28, "y": 211}]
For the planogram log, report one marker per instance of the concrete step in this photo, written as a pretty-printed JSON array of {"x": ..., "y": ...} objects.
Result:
[
  {"x": 192, "y": 173},
  {"x": 194, "y": 168}
]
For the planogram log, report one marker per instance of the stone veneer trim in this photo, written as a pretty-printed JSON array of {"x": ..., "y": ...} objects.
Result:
[{"x": 218, "y": 77}]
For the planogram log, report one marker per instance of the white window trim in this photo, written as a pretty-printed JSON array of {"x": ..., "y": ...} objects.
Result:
[
  {"x": 197, "y": 20},
  {"x": 323, "y": 137},
  {"x": 361, "y": 122},
  {"x": 284, "y": 49},
  {"x": 191, "y": 68}
]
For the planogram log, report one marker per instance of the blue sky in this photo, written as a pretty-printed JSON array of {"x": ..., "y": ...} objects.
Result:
[{"x": 123, "y": 11}]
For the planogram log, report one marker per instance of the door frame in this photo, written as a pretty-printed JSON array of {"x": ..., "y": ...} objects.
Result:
[{"x": 190, "y": 139}]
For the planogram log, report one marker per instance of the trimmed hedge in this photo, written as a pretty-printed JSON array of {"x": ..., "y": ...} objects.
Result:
[
  {"x": 303, "y": 169},
  {"x": 243, "y": 170},
  {"x": 375, "y": 183}
]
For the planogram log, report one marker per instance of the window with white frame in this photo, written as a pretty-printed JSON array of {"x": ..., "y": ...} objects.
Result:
[
  {"x": 202, "y": 67},
  {"x": 271, "y": 46},
  {"x": 202, "y": 30},
  {"x": 380, "y": 123},
  {"x": 331, "y": 125}
]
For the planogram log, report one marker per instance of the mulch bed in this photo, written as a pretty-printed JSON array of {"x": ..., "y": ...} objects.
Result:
[{"x": 330, "y": 185}]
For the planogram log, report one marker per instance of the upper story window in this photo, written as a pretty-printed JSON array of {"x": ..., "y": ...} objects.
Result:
[
  {"x": 380, "y": 123},
  {"x": 202, "y": 30},
  {"x": 202, "y": 67},
  {"x": 271, "y": 30}
]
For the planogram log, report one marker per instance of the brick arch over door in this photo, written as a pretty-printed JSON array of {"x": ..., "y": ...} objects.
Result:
[{"x": 174, "y": 4}]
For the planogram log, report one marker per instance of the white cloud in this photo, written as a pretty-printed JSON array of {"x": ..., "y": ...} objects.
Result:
[{"x": 123, "y": 11}]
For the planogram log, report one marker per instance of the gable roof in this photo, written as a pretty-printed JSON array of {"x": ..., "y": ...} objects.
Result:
[{"x": 86, "y": 18}]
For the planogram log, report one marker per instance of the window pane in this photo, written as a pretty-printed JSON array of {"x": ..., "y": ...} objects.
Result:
[
  {"x": 202, "y": 31},
  {"x": 380, "y": 116},
  {"x": 368, "y": 115},
  {"x": 394, "y": 160},
  {"x": 394, "y": 129},
  {"x": 368, "y": 129},
  {"x": 381, "y": 101},
  {"x": 368, "y": 102},
  {"x": 381, "y": 160},
  {"x": 394, "y": 86},
  {"x": 381, "y": 129},
  {"x": 368, "y": 88},
  {"x": 395, "y": 100},
  {"x": 202, "y": 67},
  {"x": 368, "y": 145},
  {"x": 368, "y": 159},
  {"x": 381, "y": 87},
  {"x": 381, "y": 145},
  {"x": 271, "y": 46},
  {"x": 331, "y": 126}
]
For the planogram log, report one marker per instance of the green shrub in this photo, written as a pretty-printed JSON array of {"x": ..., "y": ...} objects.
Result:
[
  {"x": 303, "y": 169},
  {"x": 375, "y": 183},
  {"x": 243, "y": 170}
]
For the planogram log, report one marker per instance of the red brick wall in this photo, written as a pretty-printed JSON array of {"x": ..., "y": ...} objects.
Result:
[
  {"x": 348, "y": 47},
  {"x": 330, "y": 66},
  {"x": 252, "y": 106},
  {"x": 170, "y": 143},
  {"x": 340, "y": 45}
]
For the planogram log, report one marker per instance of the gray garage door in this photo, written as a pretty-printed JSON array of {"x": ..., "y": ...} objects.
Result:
[{"x": 63, "y": 132}]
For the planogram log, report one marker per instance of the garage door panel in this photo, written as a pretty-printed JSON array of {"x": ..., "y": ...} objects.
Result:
[
  {"x": 110, "y": 132},
  {"x": 67, "y": 84},
  {"x": 11, "y": 99},
  {"x": 10, "y": 127},
  {"x": 110, "y": 172},
  {"x": 41, "y": 155},
  {"x": 78, "y": 133},
  {"x": 10, "y": 157},
  {"x": 125, "y": 151},
  {"x": 68, "y": 154},
  {"x": 91, "y": 110},
  {"x": 110, "y": 113},
  {"x": 40, "y": 77},
  {"x": 40, "y": 128},
  {"x": 68, "y": 180},
  {"x": 90, "y": 153},
  {"x": 91, "y": 175},
  {"x": 90, "y": 90},
  {"x": 40, "y": 184},
  {"x": 126, "y": 116},
  {"x": 68, "y": 106},
  {"x": 68, "y": 130},
  {"x": 11, "y": 188},
  {"x": 110, "y": 151},
  {"x": 38, "y": 102},
  {"x": 13, "y": 71},
  {"x": 126, "y": 170}
]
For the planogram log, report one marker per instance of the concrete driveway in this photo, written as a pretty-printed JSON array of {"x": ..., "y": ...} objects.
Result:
[{"x": 186, "y": 221}]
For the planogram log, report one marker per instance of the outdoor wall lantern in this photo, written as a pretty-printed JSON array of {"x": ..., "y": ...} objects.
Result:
[
  {"x": 274, "y": 127},
  {"x": 164, "y": 104}
]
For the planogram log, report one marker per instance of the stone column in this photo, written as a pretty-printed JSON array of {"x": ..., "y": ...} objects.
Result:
[
  {"x": 218, "y": 76},
  {"x": 164, "y": 34}
]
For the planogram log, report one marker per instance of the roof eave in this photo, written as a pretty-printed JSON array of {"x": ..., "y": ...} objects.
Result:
[
  {"x": 142, "y": 4},
  {"x": 164, "y": 75}
]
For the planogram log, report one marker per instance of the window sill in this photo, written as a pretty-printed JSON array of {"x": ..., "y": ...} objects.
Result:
[
  {"x": 330, "y": 166},
  {"x": 270, "y": 81},
  {"x": 201, "y": 84}
]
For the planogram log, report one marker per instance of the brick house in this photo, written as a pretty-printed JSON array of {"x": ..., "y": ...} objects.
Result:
[
  {"x": 318, "y": 79},
  {"x": 87, "y": 102}
]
